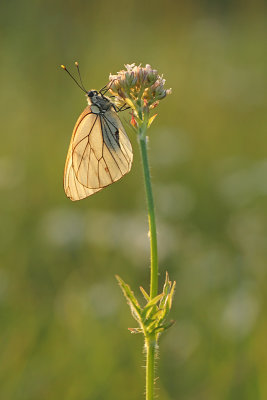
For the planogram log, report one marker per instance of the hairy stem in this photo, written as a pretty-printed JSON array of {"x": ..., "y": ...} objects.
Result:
[{"x": 150, "y": 343}]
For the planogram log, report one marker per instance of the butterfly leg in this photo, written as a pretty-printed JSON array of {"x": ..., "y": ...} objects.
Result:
[{"x": 123, "y": 108}]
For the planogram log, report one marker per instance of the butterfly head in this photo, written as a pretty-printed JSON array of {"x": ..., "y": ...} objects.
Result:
[
  {"x": 92, "y": 97},
  {"x": 92, "y": 93}
]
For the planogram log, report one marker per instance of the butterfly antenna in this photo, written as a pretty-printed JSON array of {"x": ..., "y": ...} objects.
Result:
[
  {"x": 72, "y": 77},
  {"x": 77, "y": 65}
]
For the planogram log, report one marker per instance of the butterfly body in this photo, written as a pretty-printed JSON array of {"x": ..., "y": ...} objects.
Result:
[
  {"x": 100, "y": 152},
  {"x": 99, "y": 103}
]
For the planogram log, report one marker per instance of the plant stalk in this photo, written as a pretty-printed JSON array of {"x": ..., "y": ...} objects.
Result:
[
  {"x": 151, "y": 219},
  {"x": 150, "y": 343},
  {"x": 150, "y": 340}
]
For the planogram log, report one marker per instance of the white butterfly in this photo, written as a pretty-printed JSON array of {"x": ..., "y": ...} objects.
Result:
[{"x": 100, "y": 151}]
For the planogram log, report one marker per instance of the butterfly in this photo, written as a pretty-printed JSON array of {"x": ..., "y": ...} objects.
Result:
[{"x": 100, "y": 151}]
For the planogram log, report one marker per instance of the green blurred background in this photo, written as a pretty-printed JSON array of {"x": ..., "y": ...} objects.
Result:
[{"x": 63, "y": 318}]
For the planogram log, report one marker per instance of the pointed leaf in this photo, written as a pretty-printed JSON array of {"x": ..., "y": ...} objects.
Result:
[
  {"x": 166, "y": 289},
  {"x": 144, "y": 293},
  {"x": 151, "y": 119},
  {"x": 135, "y": 330},
  {"x": 170, "y": 297},
  {"x": 130, "y": 297},
  {"x": 130, "y": 103},
  {"x": 159, "y": 315},
  {"x": 151, "y": 307},
  {"x": 151, "y": 327},
  {"x": 168, "y": 301},
  {"x": 153, "y": 301},
  {"x": 164, "y": 327}
]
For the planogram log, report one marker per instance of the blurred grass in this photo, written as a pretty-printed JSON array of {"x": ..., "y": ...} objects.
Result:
[{"x": 63, "y": 319}]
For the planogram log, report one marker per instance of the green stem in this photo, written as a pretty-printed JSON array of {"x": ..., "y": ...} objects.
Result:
[
  {"x": 150, "y": 340},
  {"x": 150, "y": 344},
  {"x": 151, "y": 216}
]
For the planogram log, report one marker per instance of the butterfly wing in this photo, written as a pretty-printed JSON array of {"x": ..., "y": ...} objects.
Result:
[
  {"x": 99, "y": 154},
  {"x": 73, "y": 188}
]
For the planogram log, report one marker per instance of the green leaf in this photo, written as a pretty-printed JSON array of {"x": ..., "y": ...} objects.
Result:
[
  {"x": 152, "y": 327},
  {"x": 144, "y": 293},
  {"x": 130, "y": 297},
  {"x": 130, "y": 103},
  {"x": 151, "y": 119},
  {"x": 166, "y": 289},
  {"x": 159, "y": 315},
  {"x": 170, "y": 297},
  {"x": 162, "y": 328},
  {"x": 151, "y": 307},
  {"x": 135, "y": 330},
  {"x": 153, "y": 301}
]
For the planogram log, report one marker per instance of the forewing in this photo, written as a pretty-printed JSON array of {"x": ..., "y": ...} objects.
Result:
[{"x": 99, "y": 154}]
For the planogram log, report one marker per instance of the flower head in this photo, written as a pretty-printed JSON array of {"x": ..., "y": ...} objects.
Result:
[{"x": 140, "y": 88}]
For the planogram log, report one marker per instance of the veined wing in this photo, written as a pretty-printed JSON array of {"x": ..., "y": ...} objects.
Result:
[
  {"x": 99, "y": 154},
  {"x": 73, "y": 188}
]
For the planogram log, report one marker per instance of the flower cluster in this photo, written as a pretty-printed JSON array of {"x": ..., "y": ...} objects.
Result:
[{"x": 140, "y": 88}]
